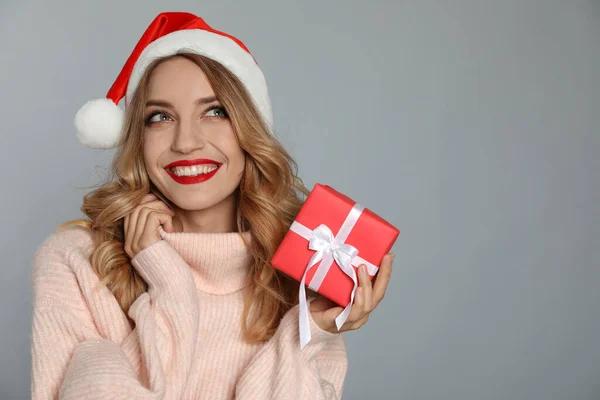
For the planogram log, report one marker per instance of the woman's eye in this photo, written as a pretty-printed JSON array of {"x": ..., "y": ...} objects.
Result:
[
  {"x": 157, "y": 117},
  {"x": 216, "y": 112}
]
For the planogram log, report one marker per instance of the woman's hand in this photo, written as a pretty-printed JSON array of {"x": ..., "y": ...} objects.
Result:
[
  {"x": 368, "y": 295},
  {"x": 141, "y": 225}
]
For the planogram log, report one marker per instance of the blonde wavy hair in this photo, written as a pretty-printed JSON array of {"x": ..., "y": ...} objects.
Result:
[{"x": 269, "y": 197}]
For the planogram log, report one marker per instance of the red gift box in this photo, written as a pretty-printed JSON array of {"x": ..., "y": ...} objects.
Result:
[{"x": 371, "y": 235}]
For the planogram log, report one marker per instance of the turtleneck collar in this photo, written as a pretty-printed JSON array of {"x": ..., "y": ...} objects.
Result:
[{"x": 220, "y": 261}]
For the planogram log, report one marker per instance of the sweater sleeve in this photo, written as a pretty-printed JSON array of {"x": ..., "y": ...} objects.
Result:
[
  {"x": 281, "y": 370},
  {"x": 71, "y": 359}
]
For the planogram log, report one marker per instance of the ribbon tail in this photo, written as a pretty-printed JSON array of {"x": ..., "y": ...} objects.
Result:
[{"x": 304, "y": 322}]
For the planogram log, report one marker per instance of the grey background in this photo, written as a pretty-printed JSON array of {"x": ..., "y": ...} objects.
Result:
[{"x": 473, "y": 126}]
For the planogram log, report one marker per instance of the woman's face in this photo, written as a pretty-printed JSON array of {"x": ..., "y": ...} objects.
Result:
[{"x": 185, "y": 123}]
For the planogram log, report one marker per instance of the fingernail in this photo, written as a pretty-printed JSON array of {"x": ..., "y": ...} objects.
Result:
[
  {"x": 393, "y": 256},
  {"x": 363, "y": 270}
]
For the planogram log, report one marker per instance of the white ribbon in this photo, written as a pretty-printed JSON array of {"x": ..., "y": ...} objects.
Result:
[{"x": 329, "y": 248}]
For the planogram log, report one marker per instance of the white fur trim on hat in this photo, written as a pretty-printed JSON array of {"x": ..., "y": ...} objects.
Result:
[
  {"x": 214, "y": 46},
  {"x": 99, "y": 123}
]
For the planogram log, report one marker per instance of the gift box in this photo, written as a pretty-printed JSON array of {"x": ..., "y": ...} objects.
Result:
[{"x": 340, "y": 231}]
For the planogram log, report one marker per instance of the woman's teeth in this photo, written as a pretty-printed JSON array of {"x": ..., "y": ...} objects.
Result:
[{"x": 194, "y": 170}]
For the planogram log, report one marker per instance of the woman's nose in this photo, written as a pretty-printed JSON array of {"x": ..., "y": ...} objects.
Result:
[{"x": 188, "y": 137}]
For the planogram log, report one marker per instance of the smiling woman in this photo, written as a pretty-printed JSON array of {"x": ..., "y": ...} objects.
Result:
[
  {"x": 166, "y": 289},
  {"x": 193, "y": 122}
]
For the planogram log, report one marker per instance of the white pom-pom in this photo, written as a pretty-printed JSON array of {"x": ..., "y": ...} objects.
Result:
[{"x": 99, "y": 123}]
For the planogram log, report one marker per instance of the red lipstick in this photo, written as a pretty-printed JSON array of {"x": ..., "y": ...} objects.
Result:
[{"x": 188, "y": 180}]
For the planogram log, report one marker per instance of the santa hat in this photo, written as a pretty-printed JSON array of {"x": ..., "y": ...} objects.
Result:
[{"x": 100, "y": 122}]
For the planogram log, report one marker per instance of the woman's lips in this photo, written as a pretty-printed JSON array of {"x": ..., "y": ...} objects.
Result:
[{"x": 189, "y": 180}]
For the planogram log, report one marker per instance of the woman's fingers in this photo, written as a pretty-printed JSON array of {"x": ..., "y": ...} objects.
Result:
[
  {"x": 150, "y": 232},
  {"x": 130, "y": 231},
  {"x": 135, "y": 222},
  {"x": 148, "y": 198},
  {"x": 365, "y": 282},
  {"x": 363, "y": 298},
  {"x": 368, "y": 296},
  {"x": 139, "y": 228},
  {"x": 158, "y": 205},
  {"x": 168, "y": 225},
  {"x": 369, "y": 293},
  {"x": 382, "y": 279},
  {"x": 359, "y": 305}
]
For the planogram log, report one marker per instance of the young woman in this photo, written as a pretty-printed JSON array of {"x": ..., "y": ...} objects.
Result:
[{"x": 165, "y": 290}]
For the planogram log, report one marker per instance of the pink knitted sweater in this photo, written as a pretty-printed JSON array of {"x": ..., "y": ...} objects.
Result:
[{"x": 187, "y": 341}]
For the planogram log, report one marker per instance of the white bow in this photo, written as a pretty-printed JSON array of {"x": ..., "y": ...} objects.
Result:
[
  {"x": 326, "y": 245},
  {"x": 323, "y": 241}
]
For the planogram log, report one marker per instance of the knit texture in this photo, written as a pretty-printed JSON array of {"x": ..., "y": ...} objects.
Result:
[{"x": 187, "y": 341}]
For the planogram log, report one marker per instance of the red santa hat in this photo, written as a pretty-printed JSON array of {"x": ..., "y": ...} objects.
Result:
[{"x": 99, "y": 122}]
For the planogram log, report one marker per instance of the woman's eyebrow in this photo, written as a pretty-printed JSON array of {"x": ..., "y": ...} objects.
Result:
[
  {"x": 206, "y": 100},
  {"x": 166, "y": 104}
]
